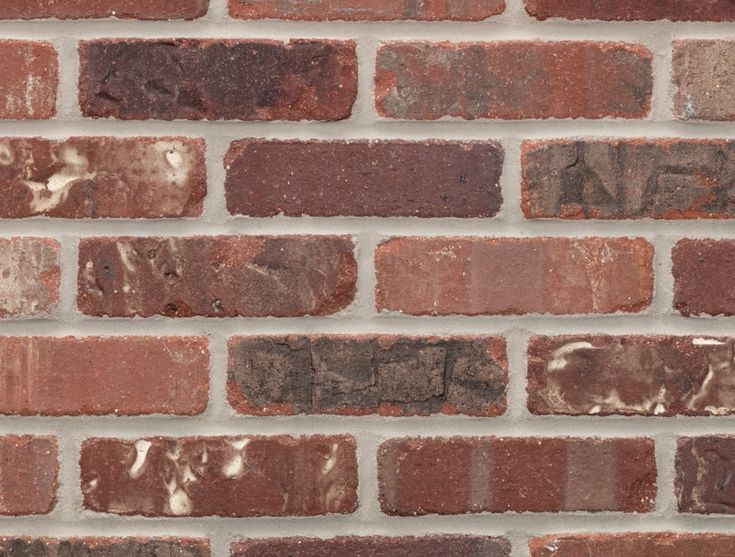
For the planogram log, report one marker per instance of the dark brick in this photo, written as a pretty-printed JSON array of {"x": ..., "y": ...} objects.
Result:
[
  {"x": 29, "y": 470},
  {"x": 103, "y": 547},
  {"x": 631, "y": 10},
  {"x": 704, "y": 75},
  {"x": 632, "y": 544},
  {"x": 703, "y": 277},
  {"x": 704, "y": 471},
  {"x": 122, "y": 9}
]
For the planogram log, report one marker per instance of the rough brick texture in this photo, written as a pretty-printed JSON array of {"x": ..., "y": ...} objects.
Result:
[
  {"x": 104, "y": 547},
  {"x": 651, "y": 376},
  {"x": 666, "y": 544},
  {"x": 29, "y": 276},
  {"x": 367, "y": 374},
  {"x": 704, "y": 475},
  {"x": 487, "y": 474},
  {"x": 220, "y": 276},
  {"x": 29, "y": 74},
  {"x": 90, "y": 177},
  {"x": 29, "y": 468},
  {"x": 206, "y": 79},
  {"x": 123, "y": 9},
  {"x": 631, "y": 10},
  {"x": 629, "y": 179},
  {"x": 703, "y": 271},
  {"x": 103, "y": 375},
  {"x": 475, "y": 276},
  {"x": 364, "y": 178},
  {"x": 222, "y": 476},
  {"x": 704, "y": 75},
  {"x": 512, "y": 80}
]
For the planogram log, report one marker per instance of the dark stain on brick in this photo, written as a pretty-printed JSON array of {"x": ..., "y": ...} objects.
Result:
[
  {"x": 102, "y": 547},
  {"x": 704, "y": 475}
]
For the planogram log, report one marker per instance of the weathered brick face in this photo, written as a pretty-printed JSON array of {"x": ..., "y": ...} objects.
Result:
[
  {"x": 123, "y": 9},
  {"x": 704, "y": 76},
  {"x": 703, "y": 475},
  {"x": 702, "y": 271},
  {"x": 29, "y": 276},
  {"x": 104, "y": 547},
  {"x": 29, "y": 469},
  {"x": 631, "y": 10},
  {"x": 633, "y": 545}
]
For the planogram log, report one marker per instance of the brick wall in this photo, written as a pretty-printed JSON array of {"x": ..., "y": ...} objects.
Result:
[{"x": 367, "y": 277}]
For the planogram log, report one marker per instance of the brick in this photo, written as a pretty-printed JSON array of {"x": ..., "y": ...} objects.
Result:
[
  {"x": 354, "y": 375},
  {"x": 29, "y": 75},
  {"x": 632, "y": 10},
  {"x": 364, "y": 178},
  {"x": 29, "y": 469},
  {"x": 103, "y": 375},
  {"x": 488, "y": 474},
  {"x": 366, "y": 10},
  {"x": 513, "y": 80},
  {"x": 92, "y": 177},
  {"x": 221, "y": 476},
  {"x": 704, "y": 467},
  {"x": 122, "y": 9},
  {"x": 511, "y": 276},
  {"x": 628, "y": 179},
  {"x": 703, "y": 271},
  {"x": 376, "y": 546},
  {"x": 216, "y": 276},
  {"x": 631, "y": 375},
  {"x": 704, "y": 76},
  {"x": 103, "y": 547},
  {"x": 196, "y": 79},
  {"x": 631, "y": 544},
  {"x": 29, "y": 277}
]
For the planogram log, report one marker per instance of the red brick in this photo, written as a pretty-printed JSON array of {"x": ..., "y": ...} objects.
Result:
[
  {"x": 476, "y": 276},
  {"x": 631, "y": 10},
  {"x": 216, "y": 276},
  {"x": 703, "y": 271},
  {"x": 631, "y": 375},
  {"x": 222, "y": 476},
  {"x": 29, "y": 75},
  {"x": 90, "y": 177},
  {"x": 428, "y": 546},
  {"x": 628, "y": 179},
  {"x": 370, "y": 374},
  {"x": 366, "y": 10},
  {"x": 633, "y": 544},
  {"x": 704, "y": 76},
  {"x": 103, "y": 375},
  {"x": 29, "y": 276},
  {"x": 104, "y": 547},
  {"x": 513, "y": 80},
  {"x": 704, "y": 467},
  {"x": 196, "y": 79},
  {"x": 29, "y": 468},
  {"x": 364, "y": 178},
  {"x": 123, "y": 9},
  {"x": 488, "y": 474}
]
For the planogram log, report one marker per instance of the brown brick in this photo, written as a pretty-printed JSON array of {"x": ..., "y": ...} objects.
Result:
[
  {"x": 633, "y": 544},
  {"x": 366, "y": 10},
  {"x": 704, "y": 469},
  {"x": 487, "y": 474},
  {"x": 513, "y": 80},
  {"x": 628, "y": 179},
  {"x": 29, "y": 468},
  {"x": 103, "y": 547},
  {"x": 427, "y": 546},
  {"x": 103, "y": 375},
  {"x": 704, "y": 75},
  {"x": 29, "y": 276},
  {"x": 29, "y": 76},
  {"x": 476, "y": 276},
  {"x": 364, "y": 178},
  {"x": 90, "y": 177},
  {"x": 197, "y": 79},
  {"x": 122, "y": 9},
  {"x": 631, "y": 10},
  {"x": 641, "y": 375},
  {"x": 216, "y": 276},
  {"x": 387, "y": 375},
  {"x": 703, "y": 271},
  {"x": 222, "y": 476}
]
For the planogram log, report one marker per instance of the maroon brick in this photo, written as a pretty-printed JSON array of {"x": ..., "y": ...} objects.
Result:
[
  {"x": 29, "y": 468},
  {"x": 476, "y": 276},
  {"x": 704, "y": 75},
  {"x": 29, "y": 75},
  {"x": 104, "y": 547},
  {"x": 387, "y": 375},
  {"x": 704, "y": 469},
  {"x": 90, "y": 177},
  {"x": 364, "y": 178},
  {"x": 488, "y": 474},
  {"x": 631, "y": 544},
  {"x": 628, "y": 179},
  {"x": 631, "y": 10},
  {"x": 513, "y": 80},
  {"x": 197, "y": 79},
  {"x": 103, "y": 375},
  {"x": 29, "y": 277},
  {"x": 216, "y": 276},
  {"x": 642, "y": 375},
  {"x": 222, "y": 476},
  {"x": 703, "y": 271},
  {"x": 123, "y": 9}
]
